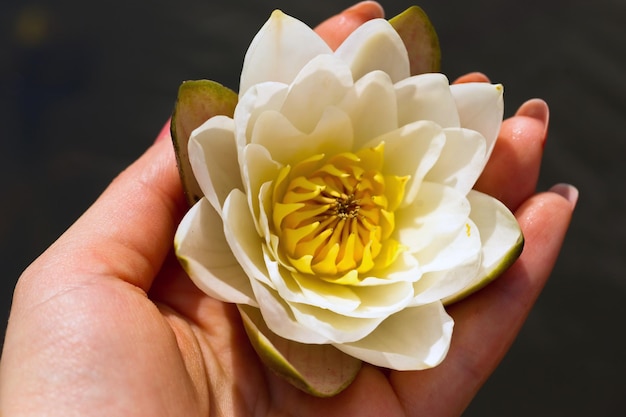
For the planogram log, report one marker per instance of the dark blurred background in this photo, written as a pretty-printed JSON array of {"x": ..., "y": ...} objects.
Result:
[{"x": 85, "y": 87}]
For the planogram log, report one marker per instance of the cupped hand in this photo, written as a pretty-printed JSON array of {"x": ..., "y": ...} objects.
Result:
[{"x": 105, "y": 322}]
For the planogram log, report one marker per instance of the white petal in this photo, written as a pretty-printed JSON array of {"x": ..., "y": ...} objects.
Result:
[
  {"x": 351, "y": 301},
  {"x": 273, "y": 131},
  {"x": 500, "y": 235},
  {"x": 375, "y": 45},
  {"x": 415, "y": 338},
  {"x": 383, "y": 300},
  {"x": 257, "y": 169},
  {"x": 436, "y": 211},
  {"x": 437, "y": 285},
  {"x": 426, "y": 97},
  {"x": 336, "y": 327},
  {"x": 404, "y": 269},
  {"x": 481, "y": 107},
  {"x": 213, "y": 157},
  {"x": 288, "y": 145},
  {"x": 265, "y": 204},
  {"x": 498, "y": 227},
  {"x": 258, "y": 99},
  {"x": 206, "y": 257},
  {"x": 462, "y": 160},
  {"x": 449, "y": 251},
  {"x": 371, "y": 104},
  {"x": 412, "y": 150},
  {"x": 280, "y": 319},
  {"x": 322, "y": 82},
  {"x": 312, "y": 291},
  {"x": 241, "y": 235},
  {"x": 279, "y": 51}
]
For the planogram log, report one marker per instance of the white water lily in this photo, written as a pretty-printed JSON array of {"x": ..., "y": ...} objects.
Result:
[{"x": 338, "y": 198}]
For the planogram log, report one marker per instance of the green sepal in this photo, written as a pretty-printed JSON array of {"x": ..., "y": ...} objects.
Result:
[
  {"x": 320, "y": 370},
  {"x": 420, "y": 39},
  {"x": 196, "y": 103}
]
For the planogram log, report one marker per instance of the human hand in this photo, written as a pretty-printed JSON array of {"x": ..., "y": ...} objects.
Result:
[{"x": 105, "y": 322}]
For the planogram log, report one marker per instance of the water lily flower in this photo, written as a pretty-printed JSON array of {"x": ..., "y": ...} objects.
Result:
[{"x": 338, "y": 201}]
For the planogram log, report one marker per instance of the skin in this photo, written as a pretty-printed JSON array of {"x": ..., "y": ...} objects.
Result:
[{"x": 106, "y": 323}]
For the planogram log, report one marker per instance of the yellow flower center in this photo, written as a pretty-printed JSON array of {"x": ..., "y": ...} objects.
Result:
[{"x": 334, "y": 216}]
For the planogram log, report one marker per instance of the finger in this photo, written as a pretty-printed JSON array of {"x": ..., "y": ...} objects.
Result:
[
  {"x": 336, "y": 29},
  {"x": 126, "y": 233},
  {"x": 487, "y": 322},
  {"x": 472, "y": 77},
  {"x": 513, "y": 169},
  {"x": 165, "y": 134}
]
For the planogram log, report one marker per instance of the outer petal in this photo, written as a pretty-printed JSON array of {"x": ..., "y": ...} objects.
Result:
[
  {"x": 202, "y": 249},
  {"x": 462, "y": 160},
  {"x": 501, "y": 238},
  {"x": 279, "y": 51},
  {"x": 426, "y": 97},
  {"x": 412, "y": 339},
  {"x": 481, "y": 107},
  {"x": 213, "y": 158},
  {"x": 375, "y": 45}
]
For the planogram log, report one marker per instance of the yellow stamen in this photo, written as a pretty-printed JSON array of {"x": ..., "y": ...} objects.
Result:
[{"x": 334, "y": 217}]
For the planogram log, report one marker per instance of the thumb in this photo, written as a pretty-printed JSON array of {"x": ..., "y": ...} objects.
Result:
[{"x": 125, "y": 234}]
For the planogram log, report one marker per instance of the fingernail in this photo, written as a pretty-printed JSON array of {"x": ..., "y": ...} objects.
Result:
[
  {"x": 369, "y": 9},
  {"x": 537, "y": 109},
  {"x": 567, "y": 191}
]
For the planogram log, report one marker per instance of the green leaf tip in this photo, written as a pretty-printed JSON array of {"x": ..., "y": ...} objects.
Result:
[
  {"x": 420, "y": 39},
  {"x": 319, "y": 370},
  {"x": 196, "y": 103}
]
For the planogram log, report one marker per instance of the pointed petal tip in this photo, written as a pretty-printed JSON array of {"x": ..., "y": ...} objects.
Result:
[{"x": 277, "y": 14}]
